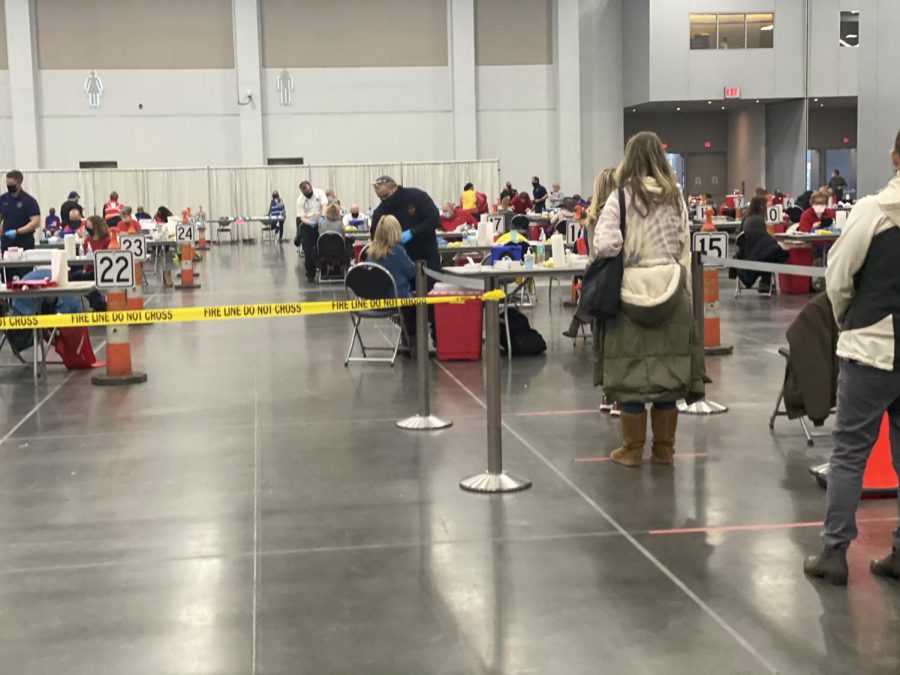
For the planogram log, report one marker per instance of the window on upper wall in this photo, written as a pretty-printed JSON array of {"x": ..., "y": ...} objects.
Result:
[
  {"x": 850, "y": 29},
  {"x": 703, "y": 31},
  {"x": 733, "y": 31},
  {"x": 760, "y": 31}
]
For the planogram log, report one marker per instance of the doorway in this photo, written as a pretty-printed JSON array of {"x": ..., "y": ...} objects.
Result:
[{"x": 706, "y": 173}]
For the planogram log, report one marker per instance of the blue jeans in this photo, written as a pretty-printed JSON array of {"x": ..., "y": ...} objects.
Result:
[{"x": 636, "y": 408}]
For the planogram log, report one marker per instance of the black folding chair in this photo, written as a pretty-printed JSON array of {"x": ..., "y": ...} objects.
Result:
[
  {"x": 370, "y": 281},
  {"x": 520, "y": 223},
  {"x": 333, "y": 259}
]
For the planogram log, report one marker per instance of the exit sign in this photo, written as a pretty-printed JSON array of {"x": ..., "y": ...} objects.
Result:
[{"x": 732, "y": 92}]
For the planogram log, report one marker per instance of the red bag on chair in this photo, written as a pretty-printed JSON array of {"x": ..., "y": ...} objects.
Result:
[{"x": 74, "y": 348}]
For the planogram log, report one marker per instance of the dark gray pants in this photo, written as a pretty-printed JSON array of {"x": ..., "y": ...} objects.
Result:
[{"x": 864, "y": 395}]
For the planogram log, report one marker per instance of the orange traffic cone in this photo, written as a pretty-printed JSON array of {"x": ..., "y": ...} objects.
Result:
[
  {"x": 118, "y": 349},
  {"x": 880, "y": 479},
  {"x": 135, "y": 299},
  {"x": 201, "y": 233},
  {"x": 187, "y": 268},
  {"x": 712, "y": 336}
]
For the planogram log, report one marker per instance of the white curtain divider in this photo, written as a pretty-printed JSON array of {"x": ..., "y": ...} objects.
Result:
[{"x": 246, "y": 191}]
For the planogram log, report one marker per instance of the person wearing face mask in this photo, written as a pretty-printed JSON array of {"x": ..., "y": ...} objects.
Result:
[
  {"x": 818, "y": 214},
  {"x": 863, "y": 282},
  {"x": 356, "y": 218},
  {"x": 539, "y": 192},
  {"x": 277, "y": 212},
  {"x": 418, "y": 217},
  {"x": 70, "y": 203},
  {"x": 20, "y": 213},
  {"x": 454, "y": 216},
  {"x": 310, "y": 209}
]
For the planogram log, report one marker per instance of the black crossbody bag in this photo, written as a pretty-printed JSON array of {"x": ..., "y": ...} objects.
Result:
[{"x": 601, "y": 290}]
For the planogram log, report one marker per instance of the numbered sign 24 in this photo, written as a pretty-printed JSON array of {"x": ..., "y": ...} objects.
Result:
[
  {"x": 114, "y": 269},
  {"x": 136, "y": 243},
  {"x": 184, "y": 233}
]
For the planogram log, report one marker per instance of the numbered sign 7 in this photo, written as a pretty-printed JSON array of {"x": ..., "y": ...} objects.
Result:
[
  {"x": 136, "y": 243},
  {"x": 114, "y": 269}
]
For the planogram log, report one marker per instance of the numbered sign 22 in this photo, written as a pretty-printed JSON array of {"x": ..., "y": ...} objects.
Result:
[
  {"x": 114, "y": 269},
  {"x": 711, "y": 244},
  {"x": 184, "y": 233},
  {"x": 774, "y": 213},
  {"x": 136, "y": 243}
]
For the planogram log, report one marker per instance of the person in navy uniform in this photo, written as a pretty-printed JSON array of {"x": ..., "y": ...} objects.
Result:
[
  {"x": 418, "y": 215},
  {"x": 20, "y": 214}
]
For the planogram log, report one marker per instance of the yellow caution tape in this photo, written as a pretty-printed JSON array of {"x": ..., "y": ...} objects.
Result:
[{"x": 229, "y": 312}]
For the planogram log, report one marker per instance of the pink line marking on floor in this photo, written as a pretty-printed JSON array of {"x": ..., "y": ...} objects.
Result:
[{"x": 608, "y": 459}]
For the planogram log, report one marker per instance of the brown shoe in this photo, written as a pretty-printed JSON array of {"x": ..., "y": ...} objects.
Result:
[
  {"x": 634, "y": 437},
  {"x": 663, "y": 423}
]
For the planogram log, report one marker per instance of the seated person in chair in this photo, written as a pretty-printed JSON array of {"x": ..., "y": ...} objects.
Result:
[
  {"x": 454, "y": 216},
  {"x": 332, "y": 220},
  {"x": 387, "y": 251},
  {"x": 757, "y": 245}
]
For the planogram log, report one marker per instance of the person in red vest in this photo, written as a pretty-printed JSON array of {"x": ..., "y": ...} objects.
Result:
[
  {"x": 112, "y": 208},
  {"x": 521, "y": 203},
  {"x": 454, "y": 216},
  {"x": 818, "y": 214}
]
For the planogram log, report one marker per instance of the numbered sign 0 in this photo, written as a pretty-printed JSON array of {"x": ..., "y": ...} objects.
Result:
[
  {"x": 184, "y": 233},
  {"x": 136, "y": 243},
  {"x": 774, "y": 213},
  {"x": 113, "y": 270},
  {"x": 711, "y": 244}
]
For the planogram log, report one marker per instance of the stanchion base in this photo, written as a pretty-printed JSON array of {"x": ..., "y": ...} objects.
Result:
[
  {"x": 186, "y": 287},
  {"x": 719, "y": 350},
  {"x": 494, "y": 483},
  {"x": 201, "y": 248},
  {"x": 420, "y": 423},
  {"x": 820, "y": 473},
  {"x": 701, "y": 408},
  {"x": 119, "y": 380}
]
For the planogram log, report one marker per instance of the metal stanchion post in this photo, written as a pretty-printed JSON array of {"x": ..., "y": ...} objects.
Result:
[
  {"x": 424, "y": 420},
  {"x": 494, "y": 479},
  {"x": 704, "y": 407}
]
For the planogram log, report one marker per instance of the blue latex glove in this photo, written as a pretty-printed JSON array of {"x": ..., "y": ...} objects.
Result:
[
  {"x": 406, "y": 236},
  {"x": 10, "y": 234}
]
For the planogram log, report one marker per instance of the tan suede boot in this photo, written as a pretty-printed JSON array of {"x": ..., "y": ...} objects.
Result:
[
  {"x": 634, "y": 436},
  {"x": 663, "y": 423}
]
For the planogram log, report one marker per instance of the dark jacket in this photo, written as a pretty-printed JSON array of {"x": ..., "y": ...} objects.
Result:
[
  {"x": 416, "y": 212},
  {"x": 810, "y": 377},
  {"x": 757, "y": 245},
  {"x": 401, "y": 268}
]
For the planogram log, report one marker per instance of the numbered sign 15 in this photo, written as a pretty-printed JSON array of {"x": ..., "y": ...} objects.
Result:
[
  {"x": 136, "y": 243},
  {"x": 114, "y": 269},
  {"x": 711, "y": 244},
  {"x": 184, "y": 233},
  {"x": 774, "y": 213}
]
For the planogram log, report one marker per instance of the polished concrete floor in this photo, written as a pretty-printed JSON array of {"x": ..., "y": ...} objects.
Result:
[{"x": 253, "y": 509}]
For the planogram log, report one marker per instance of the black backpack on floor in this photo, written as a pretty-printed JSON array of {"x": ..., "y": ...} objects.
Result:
[{"x": 524, "y": 339}]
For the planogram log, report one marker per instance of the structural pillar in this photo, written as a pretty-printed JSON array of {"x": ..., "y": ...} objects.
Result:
[
  {"x": 249, "y": 84},
  {"x": 567, "y": 70},
  {"x": 22, "y": 68},
  {"x": 879, "y": 92},
  {"x": 747, "y": 149},
  {"x": 461, "y": 38}
]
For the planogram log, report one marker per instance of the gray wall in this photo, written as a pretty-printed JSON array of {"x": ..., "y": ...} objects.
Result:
[
  {"x": 879, "y": 90},
  {"x": 786, "y": 146},
  {"x": 636, "y": 73},
  {"x": 679, "y": 74},
  {"x": 833, "y": 70},
  {"x": 601, "y": 86},
  {"x": 828, "y": 127},
  {"x": 683, "y": 133},
  {"x": 512, "y": 32}
]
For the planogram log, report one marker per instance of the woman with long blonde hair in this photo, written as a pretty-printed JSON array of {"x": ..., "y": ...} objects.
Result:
[
  {"x": 650, "y": 352},
  {"x": 604, "y": 186},
  {"x": 387, "y": 251}
]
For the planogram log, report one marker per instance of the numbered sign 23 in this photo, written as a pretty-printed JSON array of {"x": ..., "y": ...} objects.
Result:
[
  {"x": 136, "y": 243},
  {"x": 114, "y": 269},
  {"x": 184, "y": 233},
  {"x": 711, "y": 244}
]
